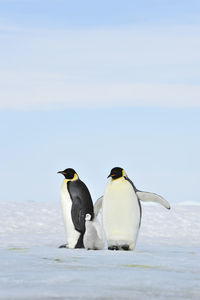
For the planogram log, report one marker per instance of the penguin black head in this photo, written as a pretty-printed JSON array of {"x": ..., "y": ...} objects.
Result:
[
  {"x": 69, "y": 173},
  {"x": 116, "y": 173}
]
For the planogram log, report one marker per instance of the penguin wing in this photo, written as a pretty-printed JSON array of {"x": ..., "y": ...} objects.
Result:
[
  {"x": 78, "y": 215},
  {"x": 149, "y": 197},
  {"x": 81, "y": 203},
  {"x": 98, "y": 205},
  {"x": 152, "y": 197}
]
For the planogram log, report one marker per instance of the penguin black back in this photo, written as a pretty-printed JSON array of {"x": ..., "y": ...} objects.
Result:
[
  {"x": 81, "y": 203},
  {"x": 76, "y": 202}
]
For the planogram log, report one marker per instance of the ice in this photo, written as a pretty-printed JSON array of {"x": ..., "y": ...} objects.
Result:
[{"x": 164, "y": 265}]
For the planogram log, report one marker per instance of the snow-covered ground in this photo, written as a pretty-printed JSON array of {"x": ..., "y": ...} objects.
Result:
[{"x": 164, "y": 265}]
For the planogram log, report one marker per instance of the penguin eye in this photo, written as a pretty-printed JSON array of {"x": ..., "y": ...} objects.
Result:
[{"x": 70, "y": 175}]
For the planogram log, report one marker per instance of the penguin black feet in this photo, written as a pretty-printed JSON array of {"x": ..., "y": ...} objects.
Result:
[
  {"x": 63, "y": 246},
  {"x": 114, "y": 247},
  {"x": 125, "y": 247}
]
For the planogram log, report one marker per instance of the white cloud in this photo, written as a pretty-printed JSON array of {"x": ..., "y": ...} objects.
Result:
[
  {"x": 43, "y": 69},
  {"x": 47, "y": 92}
]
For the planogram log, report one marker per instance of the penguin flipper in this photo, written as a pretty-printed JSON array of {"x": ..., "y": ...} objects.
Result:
[
  {"x": 81, "y": 203},
  {"x": 98, "y": 205},
  {"x": 78, "y": 215},
  {"x": 152, "y": 197}
]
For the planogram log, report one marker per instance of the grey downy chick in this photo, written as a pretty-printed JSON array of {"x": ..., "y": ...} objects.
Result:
[{"x": 93, "y": 238}]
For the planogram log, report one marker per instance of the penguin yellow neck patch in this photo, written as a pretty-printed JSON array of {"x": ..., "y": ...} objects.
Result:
[
  {"x": 73, "y": 179},
  {"x": 114, "y": 179},
  {"x": 124, "y": 173}
]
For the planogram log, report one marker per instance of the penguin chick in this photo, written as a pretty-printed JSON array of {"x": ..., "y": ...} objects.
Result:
[{"x": 93, "y": 238}]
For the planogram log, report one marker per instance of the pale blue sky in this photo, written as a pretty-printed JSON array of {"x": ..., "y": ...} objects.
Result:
[{"x": 93, "y": 85}]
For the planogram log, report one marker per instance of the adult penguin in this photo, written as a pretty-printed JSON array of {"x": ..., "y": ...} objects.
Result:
[
  {"x": 121, "y": 210},
  {"x": 76, "y": 202}
]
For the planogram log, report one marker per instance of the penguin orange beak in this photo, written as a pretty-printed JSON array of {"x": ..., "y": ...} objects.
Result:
[{"x": 111, "y": 175}]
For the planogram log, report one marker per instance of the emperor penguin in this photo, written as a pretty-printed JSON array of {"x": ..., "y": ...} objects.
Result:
[
  {"x": 93, "y": 238},
  {"x": 121, "y": 210},
  {"x": 76, "y": 202}
]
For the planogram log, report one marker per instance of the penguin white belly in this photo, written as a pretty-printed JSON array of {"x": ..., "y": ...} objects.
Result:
[
  {"x": 121, "y": 213},
  {"x": 72, "y": 235}
]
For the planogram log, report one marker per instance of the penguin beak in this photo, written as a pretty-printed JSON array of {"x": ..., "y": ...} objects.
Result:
[
  {"x": 111, "y": 175},
  {"x": 61, "y": 172}
]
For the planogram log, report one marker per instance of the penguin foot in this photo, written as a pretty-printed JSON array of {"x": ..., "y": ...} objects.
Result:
[
  {"x": 63, "y": 246},
  {"x": 125, "y": 247},
  {"x": 114, "y": 247}
]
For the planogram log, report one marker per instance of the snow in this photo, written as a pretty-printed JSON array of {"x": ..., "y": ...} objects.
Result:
[{"x": 164, "y": 265}]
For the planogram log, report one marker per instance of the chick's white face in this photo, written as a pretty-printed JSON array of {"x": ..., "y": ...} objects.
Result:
[{"x": 87, "y": 217}]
